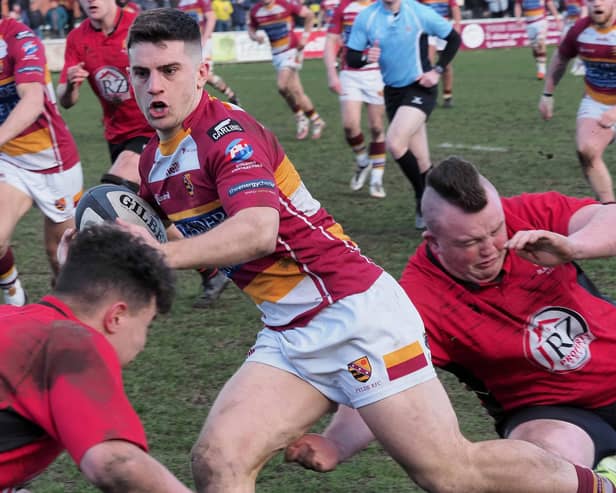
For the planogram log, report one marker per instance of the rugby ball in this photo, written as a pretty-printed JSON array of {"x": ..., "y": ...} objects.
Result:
[{"x": 108, "y": 202}]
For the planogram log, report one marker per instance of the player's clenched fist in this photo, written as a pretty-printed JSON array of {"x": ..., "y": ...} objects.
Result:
[{"x": 313, "y": 452}]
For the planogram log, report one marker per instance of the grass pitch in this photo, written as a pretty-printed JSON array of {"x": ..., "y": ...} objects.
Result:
[{"x": 190, "y": 354}]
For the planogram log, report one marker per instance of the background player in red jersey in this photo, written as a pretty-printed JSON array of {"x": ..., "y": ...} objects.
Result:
[
  {"x": 593, "y": 38},
  {"x": 510, "y": 315},
  {"x": 275, "y": 17},
  {"x": 201, "y": 11},
  {"x": 448, "y": 9},
  {"x": 330, "y": 314},
  {"x": 39, "y": 162},
  {"x": 61, "y": 366},
  {"x": 354, "y": 88},
  {"x": 96, "y": 52}
]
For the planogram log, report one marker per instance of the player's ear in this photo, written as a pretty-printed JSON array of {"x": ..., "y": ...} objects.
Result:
[
  {"x": 113, "y": 316},
  {"x": 202, "y": 74},
  {"x": 429, "y": 237}
]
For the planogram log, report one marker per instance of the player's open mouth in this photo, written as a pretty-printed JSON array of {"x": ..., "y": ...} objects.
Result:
[{"x": 158, "y": 108}]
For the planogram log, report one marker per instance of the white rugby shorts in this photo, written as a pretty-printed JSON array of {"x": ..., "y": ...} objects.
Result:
[
  {"x": 357, "y": 351},
  {"x": 54, "y": 194},
  {"x": 589, "y": 108},
  {"x": 537, "y": 31},
  {"x": 362, "y": 85},
  {"x": 289, "y": 59}
]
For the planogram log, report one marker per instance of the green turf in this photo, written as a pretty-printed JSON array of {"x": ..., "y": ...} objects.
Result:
[{"x": 190, "y": 353}]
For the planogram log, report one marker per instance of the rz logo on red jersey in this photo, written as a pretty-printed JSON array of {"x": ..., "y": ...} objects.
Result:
[
  {"x": 112, "y": 84},
  {"x": 558, "y": 339}
]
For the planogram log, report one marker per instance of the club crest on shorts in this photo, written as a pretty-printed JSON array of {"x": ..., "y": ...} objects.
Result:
[
  {"x": 60, "y": 204},
  {"x": 361, "y": 369}
]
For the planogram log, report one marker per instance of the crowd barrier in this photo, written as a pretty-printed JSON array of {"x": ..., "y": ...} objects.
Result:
[{"x": 236, "y": 46}]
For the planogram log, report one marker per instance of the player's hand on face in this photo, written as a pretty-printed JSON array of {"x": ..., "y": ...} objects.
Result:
[
  {"x": 77, "y": 74},
  {"x": 546, "y": 106},
  {"x": 314, "y": 452},
  {"x": 64, "y": 245},
  {"x": 542, "y": 247}
]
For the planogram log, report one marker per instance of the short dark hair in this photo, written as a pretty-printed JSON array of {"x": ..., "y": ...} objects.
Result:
[
  {"x": 165, "y": 24},
  {"x": 458, "y": 182},
  {"x": 103, "y": 258}
]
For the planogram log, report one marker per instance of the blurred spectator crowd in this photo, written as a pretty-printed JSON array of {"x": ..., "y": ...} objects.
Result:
[{"x": 55, "y": 18}]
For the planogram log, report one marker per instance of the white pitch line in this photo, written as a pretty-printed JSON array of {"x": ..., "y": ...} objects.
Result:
[{"x": 477, "y": 147}]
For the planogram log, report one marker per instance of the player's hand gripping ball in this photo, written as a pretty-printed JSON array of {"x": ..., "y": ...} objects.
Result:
[{"x": 108, "y": 202}]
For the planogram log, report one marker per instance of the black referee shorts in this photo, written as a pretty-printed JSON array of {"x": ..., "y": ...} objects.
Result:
[{"x": 414, "y": 95}]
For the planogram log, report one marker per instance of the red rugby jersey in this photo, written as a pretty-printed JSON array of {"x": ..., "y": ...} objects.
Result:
[
  {"x": 533, "y": 337},
  {"x": 106, "y": 59},
  {"x": 65, "y": 379}
]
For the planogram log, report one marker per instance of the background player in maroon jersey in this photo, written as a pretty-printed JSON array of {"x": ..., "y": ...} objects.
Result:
[
  {"x": 275, "y": 17},
  {"x": 508, "y": 312},
  {"x": 356, "y": 87},
  {"x": 61, "y": 366},
  {"x": 39, "y": 162},
  {"x": 594, "y": 39}
]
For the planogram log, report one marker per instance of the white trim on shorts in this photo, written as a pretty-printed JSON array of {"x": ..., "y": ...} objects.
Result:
[
  {"x": 54, "y": 193},
  {"x": 376, "y": 335},
  {"x": 289, "y": 59},
  {"x": 590, "y": 108},
  {"x": 362, "y": 85}
]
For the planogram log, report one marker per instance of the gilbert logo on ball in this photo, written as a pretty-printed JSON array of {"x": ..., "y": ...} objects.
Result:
[{"x": 108, "y": 202}]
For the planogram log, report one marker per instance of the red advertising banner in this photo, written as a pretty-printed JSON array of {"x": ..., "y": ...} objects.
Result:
[{"x": 477, "y": 34}]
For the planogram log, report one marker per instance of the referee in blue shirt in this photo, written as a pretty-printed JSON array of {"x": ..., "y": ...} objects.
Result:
[{"x": 395, "y": 33}]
